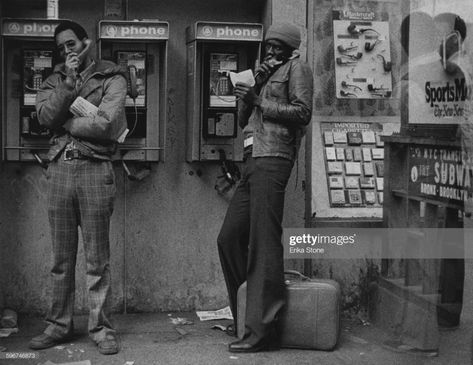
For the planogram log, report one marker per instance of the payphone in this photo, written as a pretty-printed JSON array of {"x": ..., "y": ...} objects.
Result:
[
  {"x": 214, "y": 51},
  {"x": 141, "y": 48},
  {"x": 27, "y": 59}
]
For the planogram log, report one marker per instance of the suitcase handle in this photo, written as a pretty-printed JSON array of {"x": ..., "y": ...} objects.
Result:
[{"x": 296, "y": 273}]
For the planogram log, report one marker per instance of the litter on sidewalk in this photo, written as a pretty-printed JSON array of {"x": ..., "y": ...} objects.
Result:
[
  {"x": 9, "y": 319},
  {"x": 181, "y": 321},
  {"x": 181, "y": 331},
  {"x": 5, "y": 332},
  {"x": 224, "y": 313},
  {"x": 219, "y": 327}
]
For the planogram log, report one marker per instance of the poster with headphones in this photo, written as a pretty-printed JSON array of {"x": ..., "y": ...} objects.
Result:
[
  {"x": 439, "y": 50},
  {"x": 362, "y": 53}
]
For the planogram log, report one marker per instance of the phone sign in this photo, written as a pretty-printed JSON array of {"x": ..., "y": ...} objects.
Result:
[
  {"x": 229, "y": 31},
  {"x": 207, "y": 31},
  {"x": 134, "y": 30},
  {"x": 28, "y": 27}
]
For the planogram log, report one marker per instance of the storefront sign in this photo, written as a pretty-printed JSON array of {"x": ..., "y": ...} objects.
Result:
[
  {"x": 133, "y": 30},
  {"x": 29, "y": 27},
  {"x": 229, "y": 31},
  {"x": 441, "y": 173}
]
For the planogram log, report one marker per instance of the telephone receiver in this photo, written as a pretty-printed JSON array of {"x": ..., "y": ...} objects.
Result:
[
  {"x": 231, "y": 174},
  {"x": 81, "y": 56},
  {"x": 132, "y": 90},
  {"x": 274, "y": 62},
  {"x": 85, "y": 51}
]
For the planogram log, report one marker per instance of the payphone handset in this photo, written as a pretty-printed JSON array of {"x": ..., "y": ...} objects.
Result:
[
  {"x": 135, "y": 65},
  {"x": 85, "y": 51},
  {"x": 83, "y": 54},
  {"x": 132, "y": 90}
]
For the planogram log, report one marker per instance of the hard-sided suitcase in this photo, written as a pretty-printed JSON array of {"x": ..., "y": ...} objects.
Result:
[{"x": 311, "y": 316}]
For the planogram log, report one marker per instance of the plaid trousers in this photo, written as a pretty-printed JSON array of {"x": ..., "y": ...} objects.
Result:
[{"x": 80, "y": 193}]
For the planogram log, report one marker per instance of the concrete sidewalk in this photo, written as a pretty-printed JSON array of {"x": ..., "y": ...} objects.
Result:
[{"x": 148, "y": 339}]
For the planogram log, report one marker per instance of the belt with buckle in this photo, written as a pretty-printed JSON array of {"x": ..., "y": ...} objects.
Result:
[{"x": 71, "y": 152}]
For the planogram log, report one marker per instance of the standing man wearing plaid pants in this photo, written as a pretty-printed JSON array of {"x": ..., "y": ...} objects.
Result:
[{"x": 81, "y": 182}]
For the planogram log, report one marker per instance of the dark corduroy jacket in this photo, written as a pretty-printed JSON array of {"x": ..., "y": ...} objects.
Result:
[{"x": 279, "y": 123}]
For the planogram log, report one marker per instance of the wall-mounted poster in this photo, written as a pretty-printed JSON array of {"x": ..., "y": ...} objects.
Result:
[
  {"x": 354, "y": 163},
  {"x": 363, "y": 65},
  {"x": 438, "y": 48}
]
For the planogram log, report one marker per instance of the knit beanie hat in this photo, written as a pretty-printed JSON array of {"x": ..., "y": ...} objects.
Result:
[{"x": 286, "y": 33}]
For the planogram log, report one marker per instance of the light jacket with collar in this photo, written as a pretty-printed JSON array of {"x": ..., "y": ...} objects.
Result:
[
  {"x": 278, "y": 124},
  {"x": 104, "y": 86}
]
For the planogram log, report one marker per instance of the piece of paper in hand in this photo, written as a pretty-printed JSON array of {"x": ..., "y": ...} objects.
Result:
[
  {"x": 122, "y": 137},
  {"x": 82, "y": 108},
  {"x": 244, "y": 76}
]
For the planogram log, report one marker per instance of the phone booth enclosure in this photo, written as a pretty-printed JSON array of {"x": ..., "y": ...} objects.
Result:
[
  {"x": 213, "y": 51},
  {"x": 140, "y": 47},
  {"x": 28, "y": 58}
]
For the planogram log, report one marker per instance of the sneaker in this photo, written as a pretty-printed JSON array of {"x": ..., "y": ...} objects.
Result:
[
  {"x": 109, "y": 345},
  {"x": 45, "y": 341}
]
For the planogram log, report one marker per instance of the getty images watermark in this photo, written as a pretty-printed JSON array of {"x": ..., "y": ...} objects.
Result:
[
  {"x": 377, "y": 243},
  {"x": 316, "y": 244}
]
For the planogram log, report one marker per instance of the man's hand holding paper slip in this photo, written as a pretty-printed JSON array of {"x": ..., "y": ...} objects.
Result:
[
  {"x": 82, "y": 108},
  {"x": 245, "y": 77}
]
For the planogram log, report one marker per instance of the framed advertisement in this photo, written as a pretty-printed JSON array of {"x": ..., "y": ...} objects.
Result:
[
  {"x": 437, "y": 69},
  {"x": 351, "y": 158},
  {"x": 362, "y": 53}
]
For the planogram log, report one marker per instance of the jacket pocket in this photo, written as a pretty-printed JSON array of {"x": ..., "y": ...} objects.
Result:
[{"x": 278, "y": 87}]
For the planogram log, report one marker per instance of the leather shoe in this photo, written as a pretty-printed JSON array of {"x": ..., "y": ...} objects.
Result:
[
  {"x": 247, "y": 346},
  {"x": 45, "y": 341},
  {"x": 109, "y": 345}
]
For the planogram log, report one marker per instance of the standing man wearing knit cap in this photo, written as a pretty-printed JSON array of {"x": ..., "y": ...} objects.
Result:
[{"x": 273, "y": 115}]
